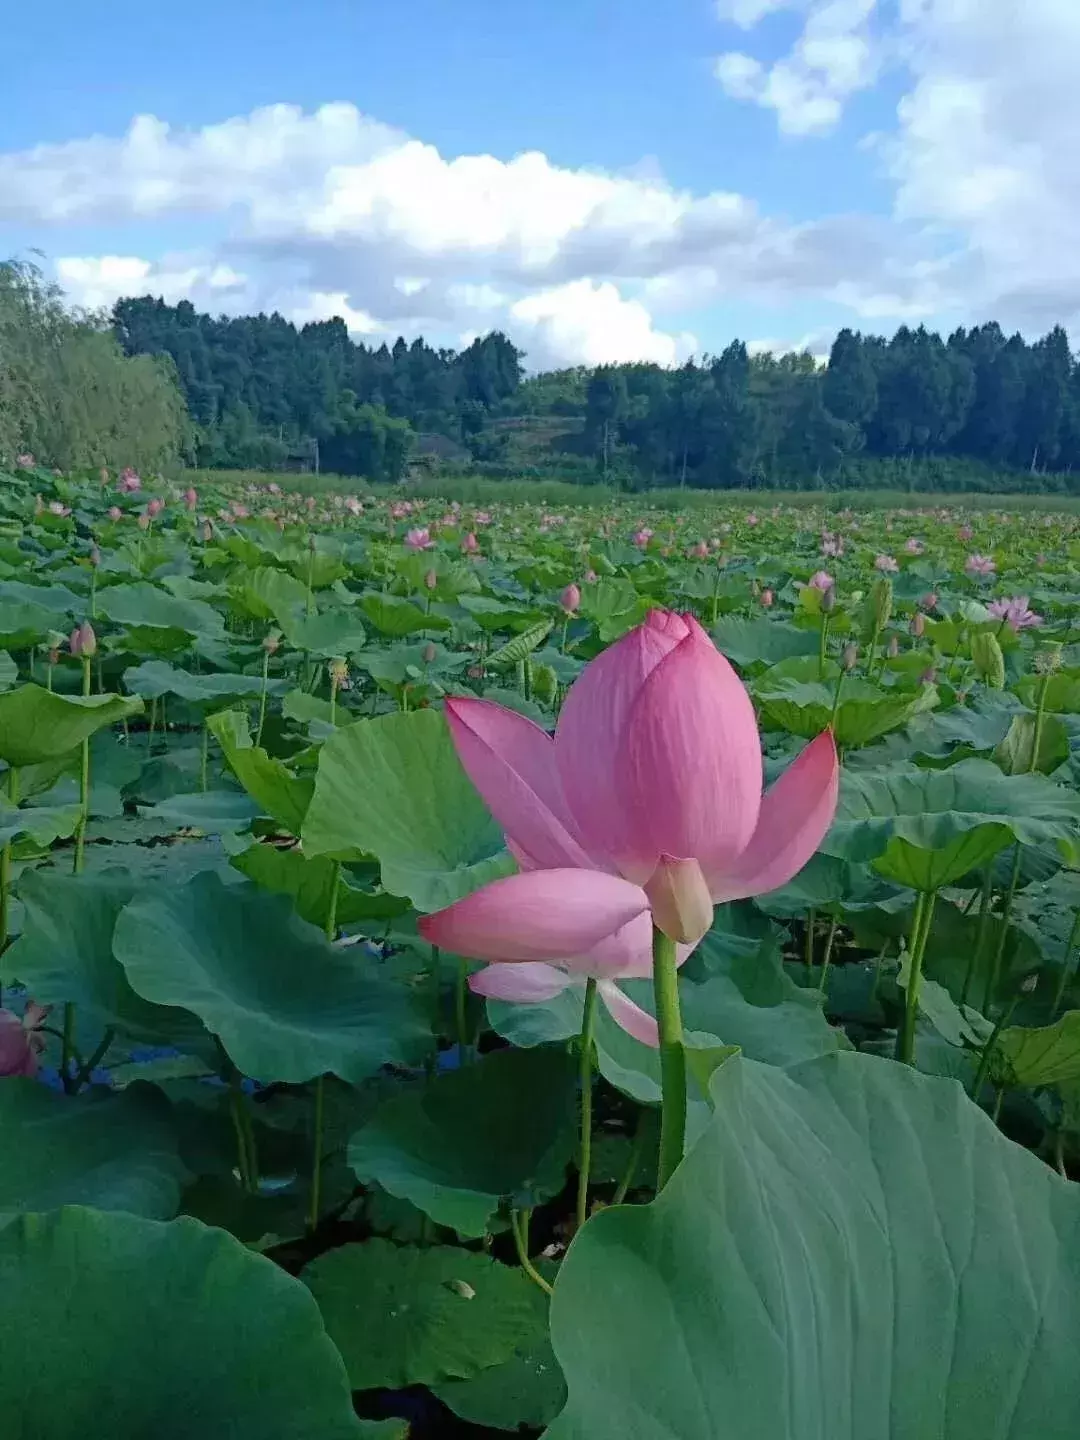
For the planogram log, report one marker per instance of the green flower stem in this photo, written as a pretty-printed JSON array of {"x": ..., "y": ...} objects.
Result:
[
  {"x": 151, "y": 726},
  {"x": 84, "y": 780},
  {"x": 920, "y": 931},
  {"x": 1040, "y": 721},
  {"x": 988, "y": 1049},
  {"x": 331, "y": 912},
  {"x": 519, "y": 1228},
  {"x": 829, "y": 941},
  {"x": 236, "y": 1110},
  {"x": 5, "y": 866},
  {"x": 994, "y": 977},
  {"x": 836, "y": 698},
  {"x": 981, "y": 933},
  {"x": 672, "y": 1057},
  {"x": 316, "y": 1159},
  {"x": 811, "y": 918},
  {"x": 1066, "y": 965},
  {"x": 262, "y": 696},
  {"x": 585, "y": 1058},
  {"x": 204, "y": 757},
  {"x": 67, "y": 1049},
  {"x": 823, "y": 646},
  {"x": 86, "y": 1069},
  {"x": 637, "y": 1149}
]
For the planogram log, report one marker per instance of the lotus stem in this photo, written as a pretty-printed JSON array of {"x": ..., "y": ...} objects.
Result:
[
  {"x": 316, "y": 1158},
  {"x": 994, "y": 977},
  {"x": 84, "y": 780},
  {"x": 636, "y": 1150},
  {"x": 519, "y": 1228},
  {"x": 920, "y": 931},
  {"x": 672, "y": 1058},
  {"x": 585, "y": 1058},
  {"x": 5, "y": 865},
  {"x": 1066, "y": 965},
  {"x": 262, "y": 696},
  {"x": 988, "y": 1049},
  {"x": 981, "y": 933},
  {"x": 204, "y": 756},
  {"x": 829, "y": 941}
]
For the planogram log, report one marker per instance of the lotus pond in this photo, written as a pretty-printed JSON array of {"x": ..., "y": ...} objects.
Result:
[{"x": 372, "y": 1064}]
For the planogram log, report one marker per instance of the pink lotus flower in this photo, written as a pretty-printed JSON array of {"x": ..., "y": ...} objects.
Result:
[
  {"x": 767, "y": 598},
  {"x": 964, "y": 532},
  {"x": 154, "y": 507},
  {"x": 832, "y": 546},
  {"x": 481, "y": 518},
  {"x": 821, "y": 580},
  {"x": 641, "y": 538},
  {"x": 418, "y": 539},
  {"x": 191, "y": 497},
  {"x": 980, "y": 565},
  {"x": 928, "y": 601},
  {"x": 913, "y": 545},
  {"x": 469, "y": 544},
  {"x": 21, "y": 1041},
  {"x": 115, "y": 513},
  {"x": 752, "y": 519},
  {"x": 25, "y": 462},
  {"x": 1016, "y": 611},
  {"x": 82, "y": 641},
  {"x": 129, "y": 482},
  {"x": 645, "y": 806},
  {"x": 400, "y": 509},
  {"x": 57, "y": 507},
  {"x": 570, "y": 599},
  {"x": 353, "y": 505},
  {"x": 886, "y": 564}
]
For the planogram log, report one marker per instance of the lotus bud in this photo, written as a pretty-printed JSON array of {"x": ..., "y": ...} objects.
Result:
[
  {"x": 881, "y": 601},
  {"x": 918, "y": 624},
  {"x": 893, "y": 647},
  {"x": 767, "y": 598},
  {"x": 850, "y": 655},
  {"x": 545, "y": 684},
  {"x": 988, "y": 658},
  {"x": 570, "y": 599},
  {"x": 95, "y": 556},
  {"x": 928, "y": 677},
  {"x": 115, "y": 513},
  {"x": 83, "y": 641},
  {"x": 154, "y": 507},
  {"x": 191, "y": 497},
  {"x": 431, "y": 579},
  {"x": 271, "y": 642},
  {"x": 828, "y": 600},
  {"x": 929, "y": 601},
  {"x": 429, "y": 652},
  {"x": 144, "y": 521}
]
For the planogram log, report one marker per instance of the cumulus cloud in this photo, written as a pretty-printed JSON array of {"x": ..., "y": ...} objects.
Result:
[
  {"x": 95, "y": 282},
  {"x": 590, "y": 324}
]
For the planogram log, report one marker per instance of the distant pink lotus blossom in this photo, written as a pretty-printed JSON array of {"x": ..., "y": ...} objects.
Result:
[
  {"x": 983, "y": 565},
  {"x": 154, "y": 507},
  {"x": 886, "y": 564},
  {"x": 57, "y": 507},
  {"x": 913, "y": 545},
  {"x": 21, "y": 1040},
  {"x": 274, "y": 488},
  {"x": 469, "y": 544},
  {"x": 767, "y": 598},
  {"x": 570, "y": 599},
  {"x": 400, "y": 509},
  {"x": 698, "y": 551},
  {"x": 641, "y": 538},
  {"x": 419, "y": 539},
  {"x": 591, "y": 577},
  {"x": 129, "y": 482},
  {"x": 240, "y": 512},
  {"x": 752, "y": 520},
  {"x": 481, "y": 518},
  {"x": 964, "y": 532},
  {"x": 191, "y": 497},
  {"x": 1016, "y": 611},
  {"x": 832, "y": 546},
  {"x": 353, "y": 505},
  {"x": 928, "y": 601},
  {"x": 114, "y": 512},
  {"x": 144, "y": 521},
  {"x": 821, "y": 580},
  {"x": 656, "y": 755},
  {"x": 25, "y": 462}
]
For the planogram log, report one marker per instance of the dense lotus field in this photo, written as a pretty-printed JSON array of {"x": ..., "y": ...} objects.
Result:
[{"x": 375, "y": 1064}]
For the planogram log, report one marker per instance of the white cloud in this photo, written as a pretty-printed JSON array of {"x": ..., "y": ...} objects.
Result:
[
  {"x": 834, "y": 56},
  {"x": 747, "y": 13},
  {"x": 95, "y": 282},
  {"x": 586, "y": 323}
]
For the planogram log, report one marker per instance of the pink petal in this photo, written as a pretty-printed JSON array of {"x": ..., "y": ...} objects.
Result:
[
  {"x": 511, "y": 761},
  {"x": 689, "y": 762},
  {"x": 627, "y": 953},
  {"x": 592, "y": 720},
  {"x": 795, "y": 814},
  {"x": 524, "y": 984},
  {"x": 16, "y": 1053},
  {"x": 538, "y": 915},
  {"x": 630, "y": 1017}
]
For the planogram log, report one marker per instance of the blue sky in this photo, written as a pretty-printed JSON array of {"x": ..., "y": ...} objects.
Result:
[{"x": 771, "y": 169}]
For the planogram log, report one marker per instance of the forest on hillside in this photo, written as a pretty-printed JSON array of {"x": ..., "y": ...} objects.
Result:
[{"x": 260, "y": 390}]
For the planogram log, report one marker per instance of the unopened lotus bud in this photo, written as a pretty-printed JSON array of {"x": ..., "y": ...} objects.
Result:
[
  {"x": 429, "y": 652},
  {"x": 1048, "y": 660},
  {"x": 545, "y": 684},
  {"x": 95, "y": 556},
  {"x": 271, "y": 642},
  {"x": 850, "y": 655},
  {"x": 767, "y": 598},
  {"x": 431, "y": 579},
  {"x": 893, "y": 647},
  {"x": 83, "y": 641},
  {"x": 928, "y": 677},
  {"x": 988, "y": 659},
  {"x": 570, "y": 599},
  {"x": 207, "y": 531},
  {"x": 155, "y": 507},
  {"x": 918, "y": 624},
  {"x": 881, "y": 600},
  {"x": 929, "y": 601},
  {"x": 144, "y": 521},
  {"x": 828, "y": 600}
]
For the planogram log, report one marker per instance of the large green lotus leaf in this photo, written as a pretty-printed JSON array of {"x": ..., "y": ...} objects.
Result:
[
  {"x": 1062, "y": 693},
  {"x": 37, "y": 725},
  {"x": 851, "y": 1252},
  {"x": 175, "y": 1331},
  {"x": 932, "y": 807},
  {"x": 65, "y": 953},
  {"x": 395, "y": 616},
  {"x": 761, "y": 642},
  {"x": 115, "y": 1152},
  {"x": 401, "y": 1315},
  {"x": 286, "y": 1005},
  {"x": 41, "y": 823},
  {"x": 494, "y": 615},
  {"x": 146, "y": 607},
  {"x": 331, "y": 633},
  {"x": 527, "y": 1389},
  {"x": 1050, "y": 1055},
  {"x": 925, "y": 868},
  {"x": 57, "y": 598},
  {"x": 458, "y": 1149},
  {"x": 154, "y": 678},
  {"x": 1016, "y": 752},
  {"x": 9, "y": 671},
  {"x": 824, "y": 883},
  {"x": 23, "y": 624},
  {"x": 266, "y": 593},
  {"x": 394, "y": 788},
  {"x": 310, "y": 880},
  {"x": 214, "y": 812},
  {"x": 965, "y": 730},
  {"x": 269, "y": 781}
]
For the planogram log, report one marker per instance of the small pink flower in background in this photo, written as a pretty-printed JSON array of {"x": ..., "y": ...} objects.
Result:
[
  {"x": 21, "y": 1041},
  {"x": 965, "y": 532},
  {"x": 57, "y": 507},
  {"x": 144, "y": 521},
  {"x": 469, "y": 544},
  {"x": 1016, "y": 611},
  {"x": 821, "y": 580},
  {"x": 353, "y": 505},
  {"x": 570, "y": 599},
  {"x": 191, "y": 497},
  {"x": 274, "y": 488},
  {"x": 430, "y": 579},
  {"x": 82, "y": 642},
  {"x": 115, "y": 513},
  {"x": 400, "y": 509},
  {"x": 832, "y": 546},
  {"x": 481, "y": 518},
  {"x": 240, "y": 512},
  {"x": 418, "y": 539},
  {"x": 752, "y": 520},
  {"x": 641, "y": 538},
  {"x": 154, "y": 507},
  {"x": 913, "y": 545},
  {"x": 129, "y": 482},
  {"x": 591, "y": 577},
  {"x": 928, "y": 601},
  {"x": 767, "y": 598},
  {"x": 700, "y": 551},
  {"x": 886, "y": 564},
  {"x": 646, "y": 806},
  {"x": 980, "y": 565},
  {"x": 25, "y": 462}
]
